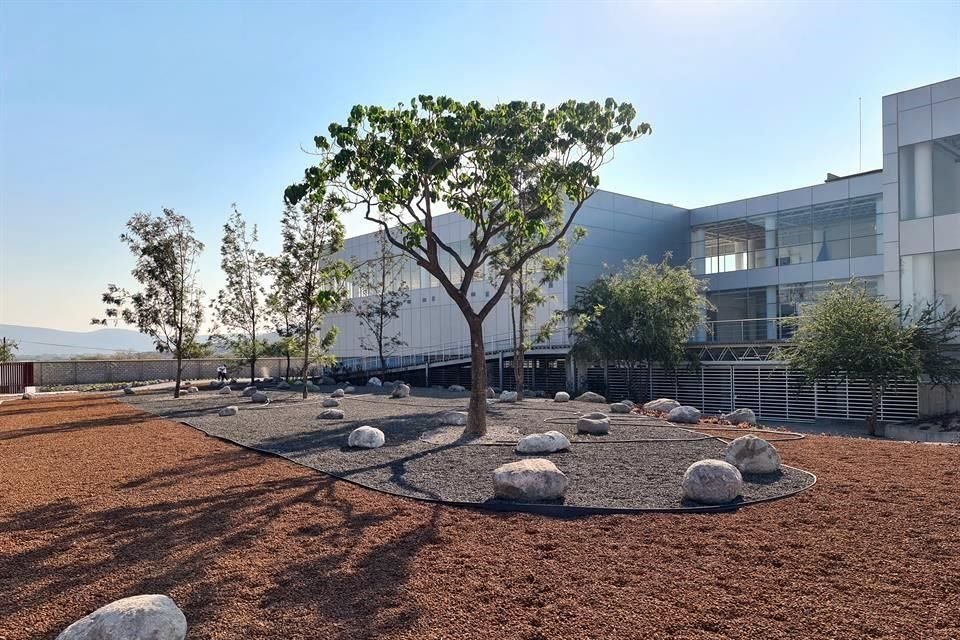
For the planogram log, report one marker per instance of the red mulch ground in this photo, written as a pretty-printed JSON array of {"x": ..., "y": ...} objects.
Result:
[{"x": 99, "y": 502}]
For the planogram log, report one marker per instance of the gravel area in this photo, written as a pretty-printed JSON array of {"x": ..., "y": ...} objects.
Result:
[
  {"x": 639, "y": 465},
  {"x": 101, "y": 501}
]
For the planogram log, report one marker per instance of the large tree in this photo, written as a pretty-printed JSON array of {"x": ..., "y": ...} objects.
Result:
[
  {"x": 240, "y": 306},
  {"x": 642, "y": 314},
  {"x": 381, "y": 294},
  {"x": 402, "y": 167},
  {"x": 168, "y": 307},
  {"x": 850, "y": 332},
  {"x": 309, "y": 273},
  {"x": 7, "y": 347}
]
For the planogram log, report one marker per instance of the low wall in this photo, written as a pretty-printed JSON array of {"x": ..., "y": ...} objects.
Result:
[
  {"x": 62, "y": 372},
  {"x": 935, "y": 401}
]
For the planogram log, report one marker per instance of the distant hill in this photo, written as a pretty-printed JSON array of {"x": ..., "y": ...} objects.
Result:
[{"x": 37, "y": 343}]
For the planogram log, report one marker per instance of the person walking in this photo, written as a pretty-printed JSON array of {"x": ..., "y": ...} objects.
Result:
[{"x": 221, "y": 373}]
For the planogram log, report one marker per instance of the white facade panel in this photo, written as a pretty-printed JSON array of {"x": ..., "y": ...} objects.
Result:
[
  {"x": 916, "y": 236},
  {"x": 914, "y": 98},
  {"x": 946, "y": 118},
  {"x": 946, "y": 233},
  {"x": 914, "y": 126},
  {"x": 947, "y": 90}
]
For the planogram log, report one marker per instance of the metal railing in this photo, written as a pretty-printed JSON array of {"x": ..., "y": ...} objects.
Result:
[{"x": 745, "y": 330}]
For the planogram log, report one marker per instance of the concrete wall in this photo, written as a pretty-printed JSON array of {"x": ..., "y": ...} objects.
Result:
[
  {"x": 70, "y": 372},
  {"x": 935, "y": 401}
]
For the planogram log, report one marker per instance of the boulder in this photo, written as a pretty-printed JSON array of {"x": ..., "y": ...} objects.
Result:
[
  {"x": 248, "y": 391},
  {"x": 738, "y": 416},
  {"x": 349, "y": 389},
  {"x": 508, "y": 396},
  {"x": 593, "y": 424},
  {"x": 28, "y": 395},
  {"x": 491, "y": 394},
  {"x": 532, "y": 480},
  {"x": 128, "y": 391},
  {"x": 331, "y": 414},
  {"x": 331, "y": 402},
  {"x": 146, "y": 617},
  {"x": 366, "y": 438},
  {"x": 712, "y": 482},
  {"x": 685, "y": 414},
  {"x": 374, "y": 382},
  {"x": 260, "y": 398},
  {"x": 751, "y": 454},
  {"x": 561, "y": 396},
  {"x": 590, "y": 396},
  {"x": 453, "y": 418},
  {"x": 327, "y": 380},
  {"x": 193, "y": 390},
  {"x": 283, "y": 385},
  {"x": 629, "y": 403},
  {"x": 543, "y": 443},
  {"x": 400, "y": 391},
  {"x": 619, "y": 407},
  {"x": 455, "y": 387},
  {"x": 662, "y": 405},
  {"x": 229, "y": 411},
  {"x": 337, "y": 393},
  {"x": 225, "y": 391}
]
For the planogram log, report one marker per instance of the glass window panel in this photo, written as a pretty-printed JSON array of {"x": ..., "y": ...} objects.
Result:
[
  {"x": 831, "y": 220},
  {"x": 947, "y": 277},
  {"x": 796, "y": 254},
  {"x": 946, "y": 176},
  {"x": 916, "y": 280},
  {"x": 916, "y": 181},
  {"x": 865, "y": 246},
  {"x": 832, "y": 250}
]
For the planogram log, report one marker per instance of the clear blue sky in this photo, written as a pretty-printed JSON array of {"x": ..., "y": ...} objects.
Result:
[{"x": 108, "y": 109}]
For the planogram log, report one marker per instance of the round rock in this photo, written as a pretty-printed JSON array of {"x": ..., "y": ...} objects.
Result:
[
  {"x": 153, "y": 617},
  {"x": 533, "y": 480},
  {"x": 455, "y": 387},
  {"x": 663, "y": 405},
  {"x": 229, "y": 411},
  {"x": 453, "y": 418},
  {"x": 400, "y": 391},
  {"x": 225, "y": 391},
  {"x": 619, "y": 407},
  {"x": 543, "y": 443},
  {"x": 331, "y": 402},
  {"x": 248, "y": 391},
  {"x": 684, "y": 414},
  {"x": 337, "y": 393},
  {"x": 128, "y": 391},
  {"x": 739, "y": 416},
  {"x": 508, "y": 396},
  {"x": 561, "y": 396},
  {"x": 260, "y": 398},
  {"x": 331, "y": 414},
  {"x": 349, "y": 389},
  {"x": 590, "y": 396},
  {"x": 366, "y": 438},
  {"x": 712, "y": 482},
  {"x": 491, "y": 394},
  {"x": 751, "y": 454},
  {"x": 594, "y": 426},
  {"x": 374, "y": 382}
]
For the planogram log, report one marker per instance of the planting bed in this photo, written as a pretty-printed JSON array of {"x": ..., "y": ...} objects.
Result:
[{"x": 638, "y": 466}]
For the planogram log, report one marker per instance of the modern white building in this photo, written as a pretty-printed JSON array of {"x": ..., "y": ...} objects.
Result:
[{"x": 897, "y": 228}]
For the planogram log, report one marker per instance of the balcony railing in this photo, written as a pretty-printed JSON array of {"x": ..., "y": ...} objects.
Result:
[{"x": 745, "y": 330}]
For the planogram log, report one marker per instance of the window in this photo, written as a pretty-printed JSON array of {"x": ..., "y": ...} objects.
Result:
[
  {"x": 916, "y": 280},
  {"x": 930, "y": 178},
  {"x": 946, "y": 272}
]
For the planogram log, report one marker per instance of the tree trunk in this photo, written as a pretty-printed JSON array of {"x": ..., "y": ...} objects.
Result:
[
  {"x": 287, "y": 377},
  {"x": 518, "y": 380},
  {"x": 874, "y": 409},
  {"x": 306, "y": 354},
  {"x": 253, "y": 359},
  {"x": 383, "y": 364},
  {"x": 176, "y": 388},
  {"x": 477, "y": 412}
]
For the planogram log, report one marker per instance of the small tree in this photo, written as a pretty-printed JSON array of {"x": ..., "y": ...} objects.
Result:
[
  {"x": 240, "y": 306},
  {"x": 643, "y": 314},
  {"x": 382, "y": 292},
  {"x": 168, "y": 308},
  {"x": 282, "y": 316},
  {"x": 307, "y": 272},
  {"x": 7, "y": 347},
  {"x": 851, "y": 333},
  {"x": 398, "y": 165}
]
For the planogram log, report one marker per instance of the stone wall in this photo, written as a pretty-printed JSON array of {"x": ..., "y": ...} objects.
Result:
[{"x": 67, "y": 372}]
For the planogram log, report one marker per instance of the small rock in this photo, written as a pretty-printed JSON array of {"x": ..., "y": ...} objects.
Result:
[
  {"x": 331, "y": 402},
  {"x": 146, "y": 617},
  {"x": 532, "y": 480},
  {"x": 491, "y": 394},
  {"x": 193, "y": 390},
  {"x": 229, "y": 411},
  {"x": 128, "y": 391},
  {"x": 543, "y": 443},
  {"x": 590, "y": 396},
  {"x": 374, "y": 382},
  {"x": 663, "y": 405},
  {"x": 453, "y": 418},
  {"x": 349, "y": 389},
  {"x": 508, "y": 396},
  {"x": 28, "y": 395},
  {"x": 684, "y": 414},
  {"x": 455, "y": 387},
  {"x": 331, "y": 414},
  {"x": 225, "y": 391},
  {"x": 260, "y": 398},
  {"x": 338, "y": 393},
  {"x": 561, "y": 396},
  {"x": 248, "y": 391},
  {"x": 400, "y": 391},
  {"x": 619, "y": 407},
  {"x": 629, "y": 403},
  {"x": 712, "y": 482},
  {"x": 751, "y": 454},
  {"x": 597, "y": 426},
  {"x": 738, "y": 416},
  {"x": 366, "y": 438}
]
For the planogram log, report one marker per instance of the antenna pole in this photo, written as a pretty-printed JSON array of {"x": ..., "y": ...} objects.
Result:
[{"x": 860, "y": 134}]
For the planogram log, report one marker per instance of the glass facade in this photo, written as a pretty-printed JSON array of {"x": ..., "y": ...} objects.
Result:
[
  {"x": 830, "y": 231},
  {"x": 928, "y": 277},
  {"x": 930, "y": 178}
]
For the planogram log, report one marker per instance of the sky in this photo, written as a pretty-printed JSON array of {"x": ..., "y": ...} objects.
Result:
[{"x": 107, "y": 109}]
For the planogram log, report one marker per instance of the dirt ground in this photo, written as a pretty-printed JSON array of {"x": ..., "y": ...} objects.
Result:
[{"x": 99, "y": 501}]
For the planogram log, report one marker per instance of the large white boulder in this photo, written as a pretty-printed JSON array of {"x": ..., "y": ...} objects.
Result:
[
  {"x": 260, "y": 398},
  {"x": 533, "y": 480},
  {"x": 229, "y": 411},
  {"x": 685, "y": 414},
  {"x": 751, "y": 454},
  {"x": 663, "y": 405},
  {"x": 508, "y": 396},
  {"x": 455, "y": 387},
  {"x": 349, "y": 389},
  {"x": 337, "y": 393},
  {"x": 619, "y": 407},
  {"x": 146, "y": 617},
  {"x": 738, "y": 416},
  {"x": 453, "y": 418},
  {"x": 331, "y": 402},
  {"x": 374, "y": 382},
  {"x": 590, "y": 396},
  {"x": 366, "y": 438},
  {"x": 400, "y": 391},
  {"x": 331, "y": 414},
  {"x": 561, "y": 396},
  {"x": 28, "y": 395},
  {"x": 596, "y": 424},
  {"x": 248, "y": 391},
  {"x": 543, "y": 443},
  {"x": 225, "y": 391},
  {"x": 712, "y": 482}
]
